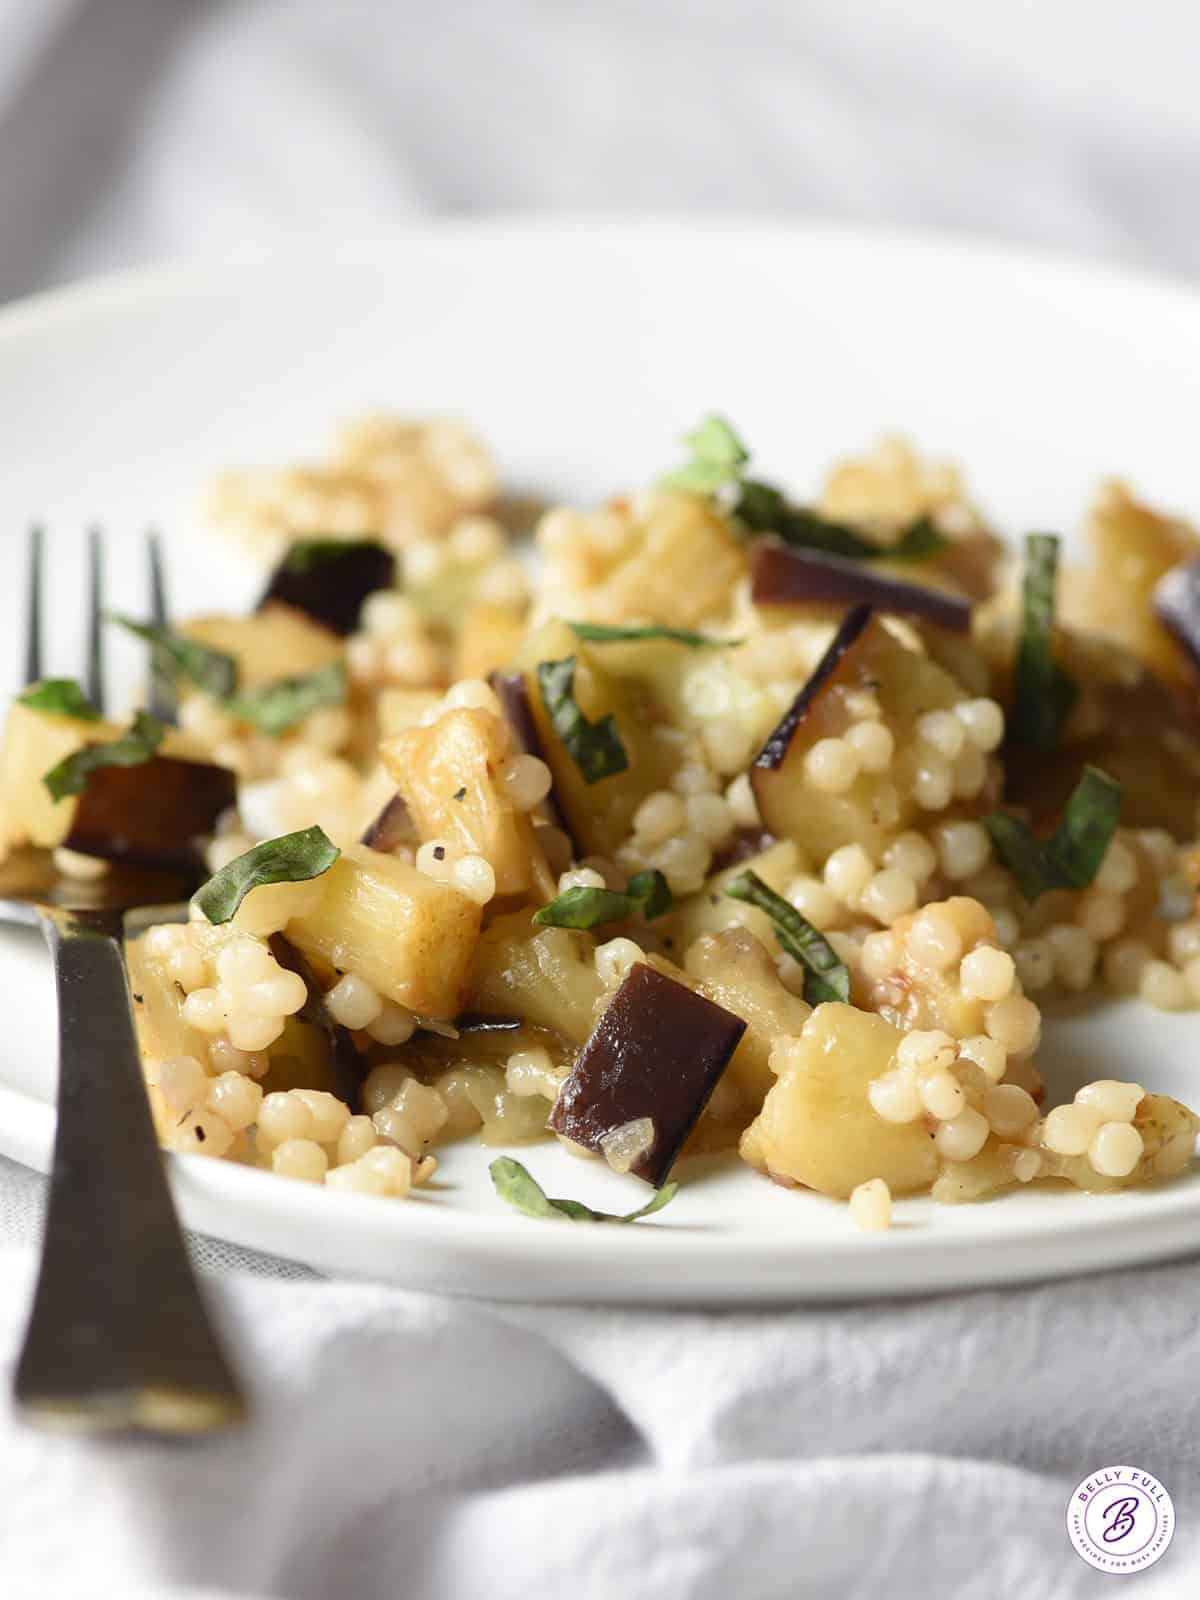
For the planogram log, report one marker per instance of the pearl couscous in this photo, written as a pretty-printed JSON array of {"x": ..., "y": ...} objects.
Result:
[{"x": 724, "y": 822}]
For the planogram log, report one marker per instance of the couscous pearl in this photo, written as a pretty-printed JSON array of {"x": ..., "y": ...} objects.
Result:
[
  {"x": 659, "y": 817},
  {"x": 1115, "y": 1150},
  {"x": 742, "y": 803},
  {"x": 300, "y": 1158},
  {"x": 1160, "y": 847},
  {"x": 329, "y": 1114},
  {"x": 942, "y": 732},
  {"x": 205, "y": 1010},
  {"x": 692, "y": 778},
  {"x": 1008, "y": 929},
  {"x": 1163, "y": 987},
  {"x": 933, "y": 786},
  {"x": 182, "y": 1082},
  {"x": 881, "y": 955},
  {"x": 872, "y": 744},
  {"x": 387, "y": 612},
  {"x": 964, "y": 849},
  {"x": 252, "y": 1033},
  {"x": 813, "y": 900},
  {"x": 862, "y": 705},
  {"x": 526, "y": 781},
  {"x": 969, "y": 773},
  {"x": 187, "y": 967},
  {"x": 1118, "y": 871},
  {"x": 847, "y": 873},
  {"x": 1100, "y": 914},
  {"x": 353, "y": 1002},
  {"x": 709, "y": 817},
  {"x": 871, "y": 1206},
  {"x": 166, "y": 937},
  {"x": 926, "y": 1050},
  {"x": 235, "y": 1098},
  {"x": 888, "y": 895},
  {"x": 383, "y": 1084},
  {"x": 1009, "y": 1109},
  {"x": 912, "y": 853},
  {"x": 1123, "y": 964},
  {"x": 393, "y": 1025},
  {"x": 436, "y": 858},
  {"x": 1026, "y": 1165},
  {"x": 473, "y": 693},
  {"x": 1113, "y": 1099},
  {"x": 934, "y": 941},
  {"x": 1014, "y": 1022},
  {"x": 531, "y": 1072},
  {"x": 728, "y": 744},
  {"x": 684, "y": 862},
  {"x": 243, "y": 962},
  {"x": 942, "y": 1096},
  {"x": 1068, "y": 1130},
  {"x": 356, "y": 1138},
  {"x": 895, "y": 1098},
  {"x": 580, "y": 878},
  {"x": 355, "y": 1178},
  {"x": 1034, "y": 961},
  {"x": 394, "y": 1166},
  {"x": 831, "y": 766},
  {"x": 983, "y": 723},
  {"x": 1075, "y": 955},
  {"x": 614, "y": 960},
  {"x": 1183, "y": 942},
  {"x": 474, "y": 877},
  {"x": 203, "y": 1133},
  {"x": 987, "y": 1054},
  {"x": 963, "y": 1136},
  {"x": 280, "y": 996},
  {"x": 986, "y": 973},
  {"x": 282, "y": 1117}
]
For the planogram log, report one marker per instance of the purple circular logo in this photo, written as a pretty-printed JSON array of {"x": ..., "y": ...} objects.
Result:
[{"x": 1120, "y": 1519}]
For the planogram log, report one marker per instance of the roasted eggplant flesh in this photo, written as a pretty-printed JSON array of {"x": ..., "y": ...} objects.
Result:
[
  {"x": 657, "y": 1053},
  {"x": 836, "y": 658},
  {"x": 783, "y": 575},
  {"x": 330, "y": 587},
  {"x": 157, "y": 814}
]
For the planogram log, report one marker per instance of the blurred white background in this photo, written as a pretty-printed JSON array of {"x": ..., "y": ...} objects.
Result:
[{"x": 137, "y": 129}]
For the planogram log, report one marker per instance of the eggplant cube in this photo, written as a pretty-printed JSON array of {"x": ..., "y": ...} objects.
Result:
[
  {"x": 158, "y": 814},
  {"x": 328, "y": 580},
  {"x": 657, "y": 1053}
]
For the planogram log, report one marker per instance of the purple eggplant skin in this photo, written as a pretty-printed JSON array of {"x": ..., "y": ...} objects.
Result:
[
  {"x": 486, "y": 1022},
  {"x": 1177, "y": 607},
  {"x": 391, "y": 828},
  {"x": 331, "y": 591},
  {"x": 742, "y": 846},
  {"x": 851, "y": 630},
  {"x": 512, "y": 691},
  {"x": 157, "y": 814},
  {"x": 785, "y": 575},
  {"x": 657, "y": 1051},
  {"x": 345, "y": 1062}
]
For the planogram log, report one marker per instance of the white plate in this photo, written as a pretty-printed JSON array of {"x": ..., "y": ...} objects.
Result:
[{"x": 583, "y": 350}]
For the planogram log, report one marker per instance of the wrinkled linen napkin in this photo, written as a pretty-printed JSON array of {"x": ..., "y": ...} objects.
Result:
[{"x": 406, "y": 1445}]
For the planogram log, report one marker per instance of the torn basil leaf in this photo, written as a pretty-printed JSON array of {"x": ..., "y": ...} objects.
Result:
[
  {"x": 603, "y": 633},
  {"x": 1070, "y": 858},
  {"x": 582, "y": 907},
  {"x": 716, "y": 458},
  {"x": 276, "y": 707},
  {"x": 211, "y": 670},
  {"x": 305, "y": 554},
  {"x": 137, "y": 744},
  {"x": 515, "y": 1185},
  {"x": 594, "y": 747},
  {"x": 1043, "y": 693},
  {"x": 61, "y": 696},
  {"x": 292, "y": 858},
  {"x": 766, "y": 510},
  {"x": 825, "y": 974}
]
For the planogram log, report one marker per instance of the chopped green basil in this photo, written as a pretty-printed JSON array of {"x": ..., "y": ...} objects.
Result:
[
  {"x": 305, "y": 554},
  {"x": 1043, "y": 694},
  {"x": 594, "y": 747},
  {"x": 581, "y": 907},
  {"x": 716, "y": 458},
  {"x": 134, "y": 746},
  {"x": 766, "y": 510},
  {"x": 602, "y": 633},
  {"x": 211, "y": 670},
  {"x": 278, "y": 706},
  {"x": 514, "y": 1184},
  {"x": 62, "y": 696},
  {"x": 1071, "y": 857},
  {"x": 825, "y": 975},
  {"x": 292, "y": 858}
]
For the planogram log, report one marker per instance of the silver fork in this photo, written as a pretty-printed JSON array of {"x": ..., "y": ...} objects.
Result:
[{"x": 118, "y": 1336}]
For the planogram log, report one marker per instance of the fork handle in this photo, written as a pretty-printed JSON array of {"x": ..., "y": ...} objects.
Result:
[{"x": 118, "y": 1336}]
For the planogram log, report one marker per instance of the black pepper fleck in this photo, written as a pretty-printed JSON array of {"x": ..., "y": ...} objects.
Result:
[
  {"x": 138, "y": 999},
  {"x": 439, "y": 852},
  {"x": 200, "y": 1133},
  {"x": 461, "y": 795}
]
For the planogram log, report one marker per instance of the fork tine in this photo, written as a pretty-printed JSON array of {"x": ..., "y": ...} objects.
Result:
[
  {"x": 94, "y": 667},
  {"x": 163, "y": 702},
  {"x": 33, "y": 616}
]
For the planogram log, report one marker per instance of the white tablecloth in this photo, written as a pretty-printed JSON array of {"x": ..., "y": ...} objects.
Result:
[{"x": 404, "y": 1445}]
